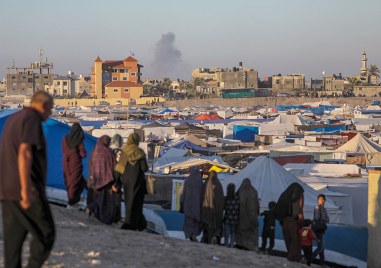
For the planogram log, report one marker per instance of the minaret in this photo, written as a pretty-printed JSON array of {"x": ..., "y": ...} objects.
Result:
[
  {"x": 364, "y": 69},
  {"x": 98, "y": 77}
]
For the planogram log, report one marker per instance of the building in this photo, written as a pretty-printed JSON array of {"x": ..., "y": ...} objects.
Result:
[
  {"x": 62, "y": 86},
  {"x": 28, "y": 80},
  {"x": 333, "y": 83},
  {"x": 316, "y": 86},
  {"x": 123, "y": 89},
  {"x": 216, "y": 79},
  {"x": 281, "y": 83},
  {"x": 105, "y": 72},
  {"x": 82, "y": 85}
]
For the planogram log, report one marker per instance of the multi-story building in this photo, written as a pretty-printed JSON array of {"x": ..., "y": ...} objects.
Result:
[
  {"x": 216, "y": 79},
  {"x": 124, "y": 90},
  {"x": 105, "y": 72},
  {"x": 291, "y": 82},
  {"x": 333, "y": 83},
  {"x": 28, "y": 80}
]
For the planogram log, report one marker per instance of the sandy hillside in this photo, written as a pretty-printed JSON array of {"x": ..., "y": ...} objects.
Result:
[{"x": 84, "y": 242}]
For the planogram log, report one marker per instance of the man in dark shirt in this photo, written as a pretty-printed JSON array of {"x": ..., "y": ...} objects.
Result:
[{"x": 22, "y": 184}]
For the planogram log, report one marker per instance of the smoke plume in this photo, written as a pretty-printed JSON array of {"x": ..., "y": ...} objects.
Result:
[{"x": 167, "y": 58}]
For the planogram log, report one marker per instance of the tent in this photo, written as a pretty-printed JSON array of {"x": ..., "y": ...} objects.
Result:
[
  {"x": 187, "y": 137},
  {"x": 270, "y": 180},
  {"x": 166, "y": 111},
  {"x": 209, "y": 117},
  {"x": 245, "y": 133},
  {"x": 291, "y": 119},
  {"x": 54, "y": 132},
  {"x": 189, "y": 146},
  {"x": 359, "y": 144}
]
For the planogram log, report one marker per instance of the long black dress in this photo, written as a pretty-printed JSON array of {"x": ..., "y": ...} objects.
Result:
[{"x": 134, "y": 188}]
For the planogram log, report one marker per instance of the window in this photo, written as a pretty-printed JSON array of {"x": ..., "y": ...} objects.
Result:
[
  {"x": 46, "y": 77},
  {"x": 133, "y": 74},
  {"x": 116, "y": 90},
  {"x": 124, "y": 78},
  {"x": 13, "y": 77},
  {"x": 114, "y": 78},
  {"x": 65, "y": 83},
  {"x": 126, "y": 90},
  {"x": 65, "y": 91},
  {"x": 58, "y": 83}
]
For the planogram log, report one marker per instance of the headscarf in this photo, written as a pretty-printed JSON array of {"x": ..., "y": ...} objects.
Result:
[
  {"x": 288, "y": 203},
  {"x": 75, "y": 136},
  {"x": 213, "y": 204},
  {"x": 249, "y": 206},
  {"x": 103, "y": 163},
  {"x": 116, "y": 142},
  {"x": 131, "y": 153},
  {"x": 192, "y": 194}
]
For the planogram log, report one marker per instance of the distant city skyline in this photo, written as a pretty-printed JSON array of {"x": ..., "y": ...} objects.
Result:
[{"x": 171, "y": 37}]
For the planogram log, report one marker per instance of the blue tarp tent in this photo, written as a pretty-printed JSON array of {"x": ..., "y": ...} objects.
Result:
[
  {"x": 187, "y": 145},
  {"x": 165, "y": 111},
  {"x": 245, "y": 133},
  {"x": 54, "y": 132}
]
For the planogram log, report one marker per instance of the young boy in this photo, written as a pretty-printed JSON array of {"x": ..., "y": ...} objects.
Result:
[
  {"x": 307, "y": 236},
  {"x": 268, "y": 231}
]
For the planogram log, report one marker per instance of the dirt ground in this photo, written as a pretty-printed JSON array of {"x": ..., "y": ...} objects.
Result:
[{"x": 85, "y": 242}]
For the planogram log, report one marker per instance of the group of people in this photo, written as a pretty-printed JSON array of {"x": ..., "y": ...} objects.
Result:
[
  {"x": 212, "y": 215},
  {"x": 114, "y": 170},
  {"x": 208, "y": 211}
]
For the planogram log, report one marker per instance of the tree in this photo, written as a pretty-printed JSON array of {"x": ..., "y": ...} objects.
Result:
[
  {"x": 373, "y": 70},
  {"x": 348, "y": 91},
  {"x": 165, "y": 86}
]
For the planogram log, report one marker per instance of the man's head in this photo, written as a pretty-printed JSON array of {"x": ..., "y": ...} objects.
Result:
[{"x": 42, "y": 102}]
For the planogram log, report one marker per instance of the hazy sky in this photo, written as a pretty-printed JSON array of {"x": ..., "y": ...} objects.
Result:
[{"x": 273, "y": 36}]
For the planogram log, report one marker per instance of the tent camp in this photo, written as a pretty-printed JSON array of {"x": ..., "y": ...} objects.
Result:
[
  {"x": 188, "y": 146},
  {"x": 270, "y": 180},
  {"x": 359, "y": 144},
  {"x": 54, "y": 132}
]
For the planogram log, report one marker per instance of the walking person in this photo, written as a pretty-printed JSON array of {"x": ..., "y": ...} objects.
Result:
[
  {"x": 23, "y": 166},
  {"x": 289, "y": 212},
  {"x": 103, "y": 164},
  {"x": 212, "y": 209},
  {"x": 129, "y": 174},
  {"x": 116, "y": 149},
  {"x": 73, "y": 152},
  {"x": 231, "y": 215},
  {"x": 247, "y": 231},
  {"x": 191, "y": 201},
  {"x": 268, "y": 232},
  {"x": 320, "y": 216}
]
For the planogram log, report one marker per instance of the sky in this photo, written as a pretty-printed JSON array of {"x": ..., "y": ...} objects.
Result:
[{"x": 170, "y": 37}]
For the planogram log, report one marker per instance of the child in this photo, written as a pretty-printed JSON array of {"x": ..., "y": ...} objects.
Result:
[
  {"x": 307, "y": 236},
  {"x": 268, "y": 226},
  {"x": 231, "y": 216}
]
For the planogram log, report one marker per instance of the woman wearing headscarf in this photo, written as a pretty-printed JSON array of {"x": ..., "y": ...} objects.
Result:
[
  {"x": 289, "y": 212},
  {"x": 73, "y": 153},
  {"x": 212, "y": 209},
  {"x": 247, "y": 231},
  {"x": 103, "y": 164},
  {"x": 191, "y": 200},
  {"x": 129, "y": 173},
  {"x": 116, "y": 149}
]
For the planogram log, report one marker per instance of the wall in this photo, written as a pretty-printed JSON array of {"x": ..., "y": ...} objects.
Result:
[{"x": 368, "y": 91}]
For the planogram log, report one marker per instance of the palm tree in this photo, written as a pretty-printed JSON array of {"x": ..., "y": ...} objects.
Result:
[
  {"x": 348, "y": 90},
  {"x": 373, "y": 70}
]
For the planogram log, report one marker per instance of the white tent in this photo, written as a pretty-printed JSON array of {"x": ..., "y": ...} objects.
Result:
[
  {"x": 270, "y": 180},
  {"x": 290, "y": 119},
  {"x": 359, "y": 144}
]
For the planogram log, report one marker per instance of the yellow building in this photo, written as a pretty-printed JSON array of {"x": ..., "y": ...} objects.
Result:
[
  {"x": 288, "y": 82},
  {"x": 123, "y": 90},
  {"x": 105, "y": 72}
]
